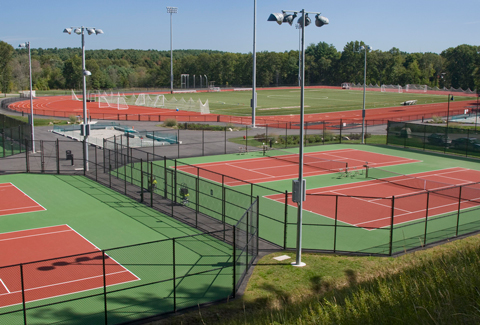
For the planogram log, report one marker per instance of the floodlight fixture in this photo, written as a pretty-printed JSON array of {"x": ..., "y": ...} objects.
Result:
[
  {"x": 308, "y": 21},
  {"x": 172, "y": 10},
  {"x": 289, "y": 18},
  {"x": 85, "y": 73},
  {"x": 277, "y": 16},
  {"x": 320, "y": 20}
]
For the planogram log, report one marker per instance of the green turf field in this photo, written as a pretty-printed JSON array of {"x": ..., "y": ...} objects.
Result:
[
  {"x": 286, "y": 101},
  {"x": 108, "y": 219}
]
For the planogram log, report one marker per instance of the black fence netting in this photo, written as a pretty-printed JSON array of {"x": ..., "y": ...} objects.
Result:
[{"x": 436, "y": 138}]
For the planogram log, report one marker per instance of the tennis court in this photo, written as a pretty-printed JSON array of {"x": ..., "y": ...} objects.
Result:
[
  {"x": 69, "y": 264},
  {"x": 280, "y": 165},
  {"x": 372, "y": 199}
]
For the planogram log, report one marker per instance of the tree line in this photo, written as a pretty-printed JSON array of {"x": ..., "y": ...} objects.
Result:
[{"x": 55, "y": 68}]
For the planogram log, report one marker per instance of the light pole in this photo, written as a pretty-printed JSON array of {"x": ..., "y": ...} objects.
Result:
[
  {"x": 364, "y": 48},
  {"x": 254, "y": 72},
  {"x": 85, "y": 73},
  {"x": 32, "y": 129},
  {"x": 299, "y": 186},
  {"x": 171, "y": 11},
  {"x": 299, "y": 27}
]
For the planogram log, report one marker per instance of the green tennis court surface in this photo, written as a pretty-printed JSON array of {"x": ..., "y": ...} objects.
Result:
[{"x": 108, "y": 220}]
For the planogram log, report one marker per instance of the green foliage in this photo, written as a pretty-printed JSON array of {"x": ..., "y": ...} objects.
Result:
[
  {"x": 170, "y": 123},
  {"x": 6, "y": 52}
]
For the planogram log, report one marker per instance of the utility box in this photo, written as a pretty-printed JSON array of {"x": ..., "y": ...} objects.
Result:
[{"x": 296, "y": 190}]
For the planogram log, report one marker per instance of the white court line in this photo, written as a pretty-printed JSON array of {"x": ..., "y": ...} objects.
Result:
[
  {"x": 4, "y": 285},
  {"x": 36, "y": 235},
  {"x": 29, "y": 197},
  {"x": 24, "y": 207}
]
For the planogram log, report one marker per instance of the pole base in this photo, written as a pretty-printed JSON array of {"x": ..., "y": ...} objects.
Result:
[{"x": 298, "y": 265}]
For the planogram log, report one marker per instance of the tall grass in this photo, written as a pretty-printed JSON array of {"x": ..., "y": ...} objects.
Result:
[{"x": 440, "y": 285}]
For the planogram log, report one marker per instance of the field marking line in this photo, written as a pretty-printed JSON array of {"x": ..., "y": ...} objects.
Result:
[
  {"x": 36, "y": 235},
  {"x": 29, "y": 197},
  {"x": 3, "y": 283},
  {"x": 24, "y": 207}
]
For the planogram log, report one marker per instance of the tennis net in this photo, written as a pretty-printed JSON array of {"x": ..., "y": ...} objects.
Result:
[
  {"x": 406, "y": 180},
  {"x": 312, "y": 161}
]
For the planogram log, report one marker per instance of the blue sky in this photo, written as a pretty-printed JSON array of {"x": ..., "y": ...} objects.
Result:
[{"x": 411, "y": 26}]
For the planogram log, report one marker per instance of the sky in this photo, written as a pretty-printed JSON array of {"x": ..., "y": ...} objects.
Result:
[{"x": 226, "y": 25}]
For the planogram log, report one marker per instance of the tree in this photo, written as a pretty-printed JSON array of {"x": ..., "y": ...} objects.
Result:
[
  {"x": 460, "y": 65},
  {"x": 72, "y": 72},
  {"x": 6, "y": 52}
]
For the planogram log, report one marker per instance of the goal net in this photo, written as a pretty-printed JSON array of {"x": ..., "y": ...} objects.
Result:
[
  {"x": 74, "y": 96},
  {"x": 391, "y": 88},
  {"x": 116, "y": 102},
  {"x": 411, "y": 88}
]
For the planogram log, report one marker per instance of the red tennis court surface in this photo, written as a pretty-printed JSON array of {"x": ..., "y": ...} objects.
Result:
[
  {"x": 372, "y": 205},
  {"x": 13, "y": 200},
  {"x": 55, "y": 275},
  {"x": 267, "y": 169}
]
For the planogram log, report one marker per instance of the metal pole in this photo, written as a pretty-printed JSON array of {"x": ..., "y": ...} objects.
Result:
[
  {"x": 85, "y": 118},
  {"x": 171, "y": 11},
  {"x": 364, "y": 90},
  {"x": 31, "y": 99},
  {"x": 254, "y": 82},
  {"x": 298, "y": 261}
]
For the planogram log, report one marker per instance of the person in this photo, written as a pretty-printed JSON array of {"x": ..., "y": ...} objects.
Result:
[{"x": 154, "y": 183}]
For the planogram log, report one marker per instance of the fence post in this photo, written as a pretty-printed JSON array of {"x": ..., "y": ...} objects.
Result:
[
  {"x": 178, "y": 142},
  {"x": 258, "y": 224},
  {"x": 323, "y": 132},
  {"x": 27, "y": 160},
  {"x": 96, "y": 164},
  {"x": 42, "y": 157},
  {"x": 203, "y": 142},
  {"x": 23, "y": 294},
  {"x": 174, "y": 271},
  {"x": 105, "y": 287},
  {"x": 246, "y": 242},
  {"x": 165, "y": 176},
  {"x": 58, "y": 155},
  {"x": 225, "y": 145},
  {"x": 391, "y": 227},
  {"x": 125, "y": 174},
  {"x": 110, "y": 175},
  {"x": 285, "y": 222},
  {"x": 175, "y": 183},
  {"x": 458, "y": 212},
  {"x": 234, "y": 256},
  {"x": 466, "y": 147},
  {"x": 141, "y": 180},
  {"x": 286, "y": 133},
  {"x": 425, "y": 136},
  {"x": 104, "y": 150},
  {"x": 341, "y": 127},
  {"x": 151, "y": 184},
  {"x": 388, "y": 131},
  {"x": 335, "y": 226},
  {"x": 426, "y": 219},
  {"x": 223, "y": 205}
]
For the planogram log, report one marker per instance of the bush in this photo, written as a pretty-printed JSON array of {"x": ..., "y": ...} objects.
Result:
[
  {"x": 170, "y": 122},
  {"x": 73, "y": 119}
]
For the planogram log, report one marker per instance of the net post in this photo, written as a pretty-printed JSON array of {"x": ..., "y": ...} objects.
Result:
[
  {"x": 104, "y": 288},
  {"x": 285, "y": 224},
  {"x": 335, "y": 226},
  {"x": 426, "y": 219},
  {"x": 458, "y": 212},
  {"x": 390, "y": 251},
  {"x": 234, "y": 259},
  {"x": 174, "y": 271},
  {"x": 141, "y": 180}
]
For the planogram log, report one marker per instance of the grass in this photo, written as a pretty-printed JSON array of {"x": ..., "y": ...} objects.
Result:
[
  {"x": 284, "y": 102},
  {"x": 40, "y": 121},
  {"x": 434, "y": 286}
]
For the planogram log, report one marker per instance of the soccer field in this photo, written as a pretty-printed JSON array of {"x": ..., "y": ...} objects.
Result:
[{"x": 287, "y": 101}]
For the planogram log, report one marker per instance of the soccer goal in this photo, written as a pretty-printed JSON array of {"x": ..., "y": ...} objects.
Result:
[
  {"x": 116, "y": 102},
  {"x": 411, "y": 88},
  {"x": 74, "y": 96}
]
